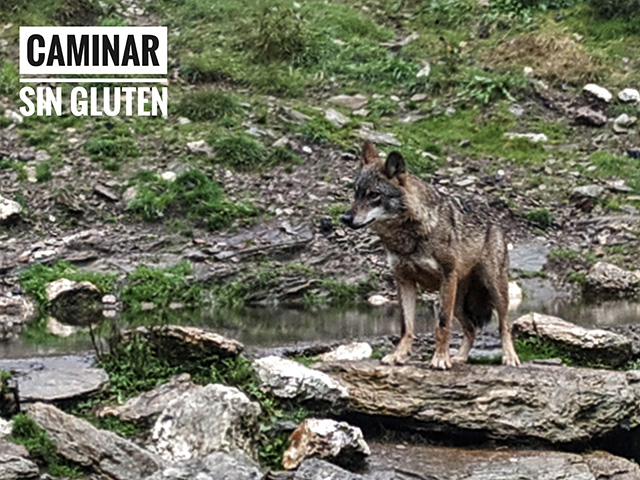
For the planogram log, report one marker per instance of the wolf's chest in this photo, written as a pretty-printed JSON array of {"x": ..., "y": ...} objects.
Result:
[{"x": 421, "y": 268}]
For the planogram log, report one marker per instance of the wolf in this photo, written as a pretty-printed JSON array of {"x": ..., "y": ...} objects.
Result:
[{"x": 432, "y": 243}]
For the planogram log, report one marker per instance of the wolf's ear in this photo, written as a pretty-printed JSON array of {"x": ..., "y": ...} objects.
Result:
[
  {"x": 395, "y": 167},
  {"x": 369, "y": 153}
]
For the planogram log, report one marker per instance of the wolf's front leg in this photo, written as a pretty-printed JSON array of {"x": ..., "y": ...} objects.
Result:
[
  {"x": 407, "y": 293},
  {"x": 441, "y": 357}
]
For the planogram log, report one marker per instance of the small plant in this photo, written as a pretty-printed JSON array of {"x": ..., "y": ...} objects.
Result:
[
  {"x": 239, "y": 151},
  {"x": 161, "y": 287},
  {"x": 539, "y": 217},
  {"x": 43, "y": 172},
  {"x": 4, "y": 378},
  {"x": 112, "y": 151},
  {"x": 9, "y": 78},
  {"x": 207, "y": 105},
  {"x": 486, "y": 87},
  {"x": 41, "y": 449},
  {"x": 282, "y": 155}
]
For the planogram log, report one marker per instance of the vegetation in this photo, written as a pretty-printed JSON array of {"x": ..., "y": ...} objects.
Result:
[
  {"x": 202, "y": 105},
  {"x": 41, "y": 449},
  {"x": 540, "y": 217},
  {"x": 192, "y": 194}
]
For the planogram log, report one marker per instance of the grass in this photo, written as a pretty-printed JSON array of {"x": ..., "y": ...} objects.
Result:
[
  {"x": 207, "y": 105},
  {"x": 193, "y": 195},
  {"x": 539, "y": 217},
  {"x": 239, "y": 151},
  {"x": 610, "y": 165},
  {"x": 35, "y": 279},
  {"x": 112, "y": 151},
  {"x": 161, "y": 287},
  {"x": 41, "y": 449}
]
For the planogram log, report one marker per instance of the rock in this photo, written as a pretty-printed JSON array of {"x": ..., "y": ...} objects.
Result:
[
  {"x": 532, "y": 137},
  {"x": 205, "y": 420},
  {"x": 598, "y": 92},
  {"x": 42, "y": 156},
  {"x": 15, "y": 312},
  {"x": 431, "y": 462},
  {"x": 178, "y": 342},
  {"x": 102, "y": 451},
  {"x": 55, "y": 379},
  {"x": 348, "y": 353},
  {"x": 378, "y": 300},
  {"x": 588, "y": 116},
  {"x": 315, "y": 469},
  {"x": 294, "y": 116},
  {"x": 290, "y": 380},
  {"x": 15, "y": 117},
  {"x": 552, "y": 405},
  {"x": 169, "y": 176},
  {"x": 150, "y": 404},
  {"x": 182, "y": 121},
  {"x": 378, "y": 137},
  {"x": 625, "y": 120},
  {"x": 74, "y": 303},
  {"x": 235, "y": 465},
  {"x": 418, "y": 97},
  {"x": 353, "y": 102},
  {"x": 606, "y": 280},
  {"x": 424, "y": 71},
  {"x": 106, "y": 192},
  {"x": 54, "y": 327},
  {"x": 14, "y": 465},
  {"x": 587, "y": 191},
  {"x": 5, "y": 428},
  {"x": 516, "y": 110},
  {"x": 9, "y": 210},
  {"x": 336, "y": 118},
  {"x": 338, "y": 442},
  {"x": 629, "y": 95},
  {"x": 515, "y": 296},
  {"x": 594, "y": 346},
  {"x": 199, "y": 147}
]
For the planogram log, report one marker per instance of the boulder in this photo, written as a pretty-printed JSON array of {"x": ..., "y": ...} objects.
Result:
[
  {"x": 338, "y": 442},
  {"x": 9, "y": 210},
  {"x": 354, "y": 102},
  {"x": 235, "y": 465},
  {"x": 348, "y": 353},
  {"x": 316, "y": 469},
  {"x": 102, "y": 451},
  {"x": 290, "y": 380},
  {"x": 588, "y": 116},
  {"x": 378, "y": 137},
  {"x": 150, "y": 404},
  {"x": 14, "y": 465},
  {"x": 587, "y": 191},
  {"x": 74, "y": 303},
  {"x": 534, "y": 403},
  {"x": 629, "y": 95},
  {"x": 15, "y": 312},
  {"x": 55, "y": 379},
  {"x": 598, "y": 92},
  {"x": 206, "y": 420},
  {"x": 608, "y": 281},
  {"x": 591, "y": 346},
  {"x": 336, "y": 118},
  {"x": 178, "y": 343}
]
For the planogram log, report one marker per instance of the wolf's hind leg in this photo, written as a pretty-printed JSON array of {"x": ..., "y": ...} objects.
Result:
[
  {"x": 407, "y": 293},
  {"x": 469, "y": 335}
]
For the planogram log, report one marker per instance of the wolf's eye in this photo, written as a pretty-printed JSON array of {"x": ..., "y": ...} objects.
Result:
[{"x": 373, "y": 196}]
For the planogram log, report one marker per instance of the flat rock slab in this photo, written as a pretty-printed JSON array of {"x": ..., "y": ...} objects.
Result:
[
  {"x": 593, "y": 346},
  {"x": 182, "y": 342},
  {"x": 439, "y": 463},
  {"x": 150, "y": 404},
  {"x": 53, "y": 379},
  {"x": 102, "y": 451},
  {"x": 537, "y": 404},
  {"x": 235, "y": 465}
]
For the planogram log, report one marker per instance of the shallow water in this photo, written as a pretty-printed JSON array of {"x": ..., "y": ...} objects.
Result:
[{"x": 276, "y": 327}]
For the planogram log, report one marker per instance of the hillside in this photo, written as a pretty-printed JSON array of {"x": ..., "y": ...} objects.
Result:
[{"x": 269, "y": 102}]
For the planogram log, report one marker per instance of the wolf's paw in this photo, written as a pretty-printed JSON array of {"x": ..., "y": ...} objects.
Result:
[
  {"x": 510, "y": 360},
  {"x": 459, "y": 359},
  {"x": 441, "y": 361},
  {"x": 395, "y": 358}
]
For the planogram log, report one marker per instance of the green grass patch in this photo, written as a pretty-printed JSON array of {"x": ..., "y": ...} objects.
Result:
[
  {"x": 35, "y": 279},
  {"x": 239, "y": 151},
  {"x": 539, "y": 217},
  {"x": 161, "y": 287},
  {"x": 9, "y": 79},
  {"x": 193, "y": 194},
  {"x": 43, "y": 172},
  {"x": 486, "y": 87},
  {"x": 207, "y": 105},
  {"x": 609, "y": 165},
  {"x": 41, "y": 449},
  {"x": 112, "y": 151}
]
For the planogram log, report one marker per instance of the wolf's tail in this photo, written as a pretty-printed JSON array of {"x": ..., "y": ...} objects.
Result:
[{"x": 478, "y": 306}]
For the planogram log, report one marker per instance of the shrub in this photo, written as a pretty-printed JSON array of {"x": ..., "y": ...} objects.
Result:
[
  {"x": 540, "y": 217},
  {"x": 485, "y": 87},
  {"x": 239, "y": 151},
  {"x": 609, "y": 9},
  {"x": 203, "y": 105},
  {"x": 111, "y": 151}
]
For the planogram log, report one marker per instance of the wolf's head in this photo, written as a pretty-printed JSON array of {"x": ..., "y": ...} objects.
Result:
[{"x": 379, "y": 187}]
